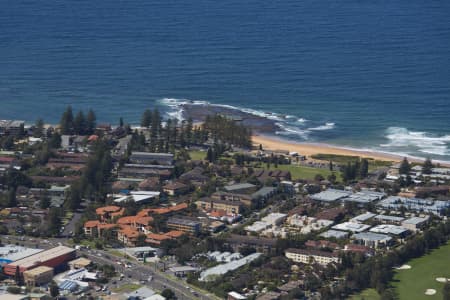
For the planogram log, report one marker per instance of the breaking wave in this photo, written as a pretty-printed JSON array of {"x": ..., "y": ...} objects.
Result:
[
  {"x": 424, "y": 142},
  {"x": 289, "y": 125}
]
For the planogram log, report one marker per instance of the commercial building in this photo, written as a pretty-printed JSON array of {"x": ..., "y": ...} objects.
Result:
[
  {"x": 392, "y": 230},
  {"x": 311, "y": 256},
  {"x": 415, "y": 223},
  {"x": 363, "y": 217},
  {"x": 436, "y": 207},
  {"x": 374, "y": 240},
  {"x": 364, "y": 197},
  {"x": 330, "y": 195},
  {"x": 38, "y": 276},
  {"x": 184, "y": 225},
  {"x": 352, "y": 227},
  {"x": 79, "y": 263},
  {"x": 337, "y": 234},
  {"x": 11, "y": 253},
  {"x": 385, "y": 219},
  {"x": 54, "y": 258}
]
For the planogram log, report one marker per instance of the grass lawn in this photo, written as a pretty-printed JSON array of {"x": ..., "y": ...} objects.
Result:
[
  {"x": 369, "y": 294},
  {"x": 197, "y": 155},
  {"x": 302, "y": 172},
  {"x": 126, "y": 288},
  {"x": 411, "y": 284}
]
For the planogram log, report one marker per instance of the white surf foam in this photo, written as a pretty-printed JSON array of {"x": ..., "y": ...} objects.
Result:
[
  {"x": 423, "y": 142},
  {"x": 327, "y": 126}
]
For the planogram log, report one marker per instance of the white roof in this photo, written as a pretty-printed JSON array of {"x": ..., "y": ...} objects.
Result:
[
  {"x": 330, "y": 195},
  {"x": 350, "y": 226},
  {"x": 363, "y": 217},
  {"x": 224, "y": 268},
  {"x": 137, "y": 198},
  {"x": 389, "y": 229}
]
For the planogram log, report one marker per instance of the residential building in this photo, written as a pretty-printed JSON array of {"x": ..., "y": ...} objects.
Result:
[
  {"x": 184, "y": 225},
  {"x": 312, "y": 256},
  {"x": 230, "y": 207},
  {"x": 175, "y": 188}
]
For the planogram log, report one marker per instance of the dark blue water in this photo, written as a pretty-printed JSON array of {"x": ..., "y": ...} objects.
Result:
[{"x": 372, "y": 74}]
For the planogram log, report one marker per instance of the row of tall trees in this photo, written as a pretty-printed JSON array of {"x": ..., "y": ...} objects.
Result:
[
  {"x": 355, "y": 170},
  {"x": 80, "y": 124},
  {"x": 228, "y": 131}
]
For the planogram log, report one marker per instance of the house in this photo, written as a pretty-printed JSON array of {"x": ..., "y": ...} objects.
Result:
[
  {"x": 11, "y": 127},
  {"x": 312, "y": 256},
  {"x": 175, "y": 188}
]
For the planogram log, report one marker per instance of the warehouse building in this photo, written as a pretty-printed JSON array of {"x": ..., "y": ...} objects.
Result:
[
  {"x": 38, "y": 276},
  {"x": 54, "y": 258}
]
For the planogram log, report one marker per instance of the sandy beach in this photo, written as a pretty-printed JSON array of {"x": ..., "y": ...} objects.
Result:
[{"x": 309, "y": 149}]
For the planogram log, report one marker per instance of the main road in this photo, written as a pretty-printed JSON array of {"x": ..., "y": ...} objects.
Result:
[{"x": 137, "y": 272}]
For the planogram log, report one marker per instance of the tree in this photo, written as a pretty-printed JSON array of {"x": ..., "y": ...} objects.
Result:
[
  {"x": 12, "y": 201},
  {"x": 55, "y": 141},
  {"x": 427, "y": 166},
  {"x": 146, "y": 119},
  {"x": 121, "y": 122},
  {"x": 330, "y": 166},
  {"x": 54, "y": 289},
  {"x": 45, "y": 200},
  {"x": 79, "y": 123},
  {"x": 66, "y": 122},
  {"x": 91, "y": 122},
  {"x": 364, "y": 168},
  {"x": 54, "y": 221},
  {"x": 75, "y": 196},
  {"x": 38, "y": 130},
  {"x": 168, "y": 294},
  {"x": 405, "y": 167}
]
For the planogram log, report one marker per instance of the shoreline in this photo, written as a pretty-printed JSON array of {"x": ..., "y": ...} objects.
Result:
[{"x": 307, "y": 149}]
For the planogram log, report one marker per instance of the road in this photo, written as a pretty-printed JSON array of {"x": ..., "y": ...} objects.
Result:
[{"x": 137, "y": 273}]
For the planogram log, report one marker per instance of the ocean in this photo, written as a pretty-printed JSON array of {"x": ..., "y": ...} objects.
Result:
[{"x": 361, "y": 74}]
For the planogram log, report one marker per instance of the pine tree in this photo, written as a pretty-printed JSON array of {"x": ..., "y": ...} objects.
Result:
[
  {"x": 12, "y": 200},
  {"x": 146, "y": 119},
  {"x": 79, "y": 123},
  {"x": 404, "y": 166},
  {"x": 66, "y": 122},
  {"x": 121, "y": 122},
  {"x": 91, "y": 120},
  {"x": 427, "y": 166},
  {"x": 364, "y": 168},
  {"x": 38, "y": 130}
]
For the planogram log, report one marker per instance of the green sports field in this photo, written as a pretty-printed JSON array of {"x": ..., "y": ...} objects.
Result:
[{"x": 411, "y": 284}]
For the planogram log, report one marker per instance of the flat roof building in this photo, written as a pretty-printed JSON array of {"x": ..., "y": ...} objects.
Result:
[
  {"x": 337, "y": 234},
  {"x": 415, "y": 223},
  {"x": 390, "y": 230},
  {"x": 38, "y": 276},
  {"x": 363, "y": 217},
  {"x": 54, "y": 258},
  {"x": 330, "y": 195},
  {"x": 352, "y": 227},
  {"x": 371, "y": 239}
]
